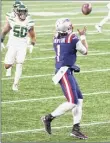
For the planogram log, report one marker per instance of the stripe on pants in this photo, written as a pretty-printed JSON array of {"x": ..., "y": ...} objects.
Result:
[{"x": 67, "y": 84}]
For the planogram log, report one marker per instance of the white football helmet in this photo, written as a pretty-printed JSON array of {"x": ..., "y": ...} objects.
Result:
[{"x": 64, "y": 25}]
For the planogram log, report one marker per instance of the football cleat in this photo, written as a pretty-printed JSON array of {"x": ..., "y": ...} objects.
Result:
[
  {"x": 15, "y": 87},
  {"x": 77, "y": 133},
  {"x": 47, "y": 122},
  {"x": 99, "y": 29}
]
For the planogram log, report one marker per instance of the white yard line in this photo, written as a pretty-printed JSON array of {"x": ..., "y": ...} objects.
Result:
[
  {"x": 88, "y": 33},
  {"x": 46, "y": 75},
  {"x": 50, "y": 98},
  {"x": 77, "y": 24},
  {"x": 52, "y": 57},
  {"x": 54, "y": 19},
  {"x": 94, "y": 40},
  {"x": 78, "y": 18},
  {"x": 60, "y": 127}
]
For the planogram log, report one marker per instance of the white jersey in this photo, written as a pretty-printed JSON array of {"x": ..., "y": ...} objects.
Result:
[{"x": 19, "y": 31}]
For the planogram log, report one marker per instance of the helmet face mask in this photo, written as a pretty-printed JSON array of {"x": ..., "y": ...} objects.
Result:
[
  {"x": 22, "y": 12},
  {"x": 64, "y": 25}
]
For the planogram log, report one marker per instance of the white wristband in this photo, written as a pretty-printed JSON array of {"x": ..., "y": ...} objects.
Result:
[{"x": 83, "y": 37}]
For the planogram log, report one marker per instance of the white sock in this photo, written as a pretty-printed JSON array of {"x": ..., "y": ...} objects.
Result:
[
  {"x": 9, "y": 70},
  {"x": 104, "y": 21},
  {"x": 18, "y": 73},
  {"x": 62, "y": 108},
  {"x": 77, "y": 112}
]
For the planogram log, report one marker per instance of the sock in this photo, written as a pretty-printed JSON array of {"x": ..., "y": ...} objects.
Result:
[
  {"x": 62, "y": 108},
  {"x": 77, "y": 112},
  {"x": 104, "y": 21},
  {"x": 9, "y": 70},
  {"x": 18, "y": 73},
  {"x": 76, "y": 127}
]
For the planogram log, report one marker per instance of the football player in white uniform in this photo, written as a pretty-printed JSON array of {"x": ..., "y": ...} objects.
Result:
[
  {"x": 103, "y": 21},
  {"x": 10, "y": 14},
  {"x": 19, "y": 27}
]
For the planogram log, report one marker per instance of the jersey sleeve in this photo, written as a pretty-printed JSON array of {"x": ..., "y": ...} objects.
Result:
[
  {"x": 81, "y": 48},
  {"x": 75, "y": 39},
  {"x": 10, "y": 18}
]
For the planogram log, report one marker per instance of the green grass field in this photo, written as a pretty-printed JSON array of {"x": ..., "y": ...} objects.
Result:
[{"x": 37, "y": 95}]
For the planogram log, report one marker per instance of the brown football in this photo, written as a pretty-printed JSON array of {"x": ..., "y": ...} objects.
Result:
[{"x": 86, "y": 8}]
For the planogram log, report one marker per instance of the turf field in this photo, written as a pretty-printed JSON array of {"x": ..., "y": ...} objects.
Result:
[{"x": 37, "y": 95}]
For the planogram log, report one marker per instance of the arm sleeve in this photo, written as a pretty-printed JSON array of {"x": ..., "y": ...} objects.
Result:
[{"x": 81, "y": 48}]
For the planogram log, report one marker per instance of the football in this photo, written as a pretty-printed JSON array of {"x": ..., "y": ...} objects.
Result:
[{"x": 86, "y": 8}]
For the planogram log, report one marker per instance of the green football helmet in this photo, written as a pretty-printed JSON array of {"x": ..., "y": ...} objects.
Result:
[
  {"x": 16, "y": 4},
  {"x": 22, "y": 12}
]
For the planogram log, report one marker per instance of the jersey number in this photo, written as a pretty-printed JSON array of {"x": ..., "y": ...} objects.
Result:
[
  {"x": 20, "y": 31},
  {"x": 58, "y": 53}
]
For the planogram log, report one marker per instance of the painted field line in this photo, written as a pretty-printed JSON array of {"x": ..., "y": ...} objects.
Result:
[
  {"x": 91, "y": 17},
  {"x": 50, "y": 98},
  {"x": 54, "y": 19},
  {"x": 94, "y": 40},
  {"x": 52, "y": 57},
  {"x": 60, "y": 127},
  {"x": 77, "y": 24},
  {"x": 46, "y": 75},
  {"x": 88, "y": 33}
]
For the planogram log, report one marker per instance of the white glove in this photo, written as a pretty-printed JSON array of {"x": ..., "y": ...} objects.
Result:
[
  {"x": 2, "y": 46},
  {"x": 30, "y": 48}
]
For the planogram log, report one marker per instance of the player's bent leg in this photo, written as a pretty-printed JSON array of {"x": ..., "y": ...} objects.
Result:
[
  {"x": 66, "y": 84},
  {"x": 61, "y": 109}
]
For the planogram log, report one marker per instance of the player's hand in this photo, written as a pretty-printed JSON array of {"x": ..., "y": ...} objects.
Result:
[
  {"x": 82, "y": 32},
  {"x": 2, "y": 46}
]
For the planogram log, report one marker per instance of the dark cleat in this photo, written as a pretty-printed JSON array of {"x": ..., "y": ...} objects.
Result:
[
  {"x": 47, "y": 122},
  {"x": 76, "y": 132}
]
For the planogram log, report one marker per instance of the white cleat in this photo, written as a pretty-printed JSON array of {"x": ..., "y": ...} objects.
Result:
[
  {"x": 99, "y": 29},
  {"x": 15, "y": 87}
]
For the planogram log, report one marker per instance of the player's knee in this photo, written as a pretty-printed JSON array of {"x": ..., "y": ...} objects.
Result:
[
  {"x": 71, "y": 105},
  {"x": 7, "y": 66}
]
